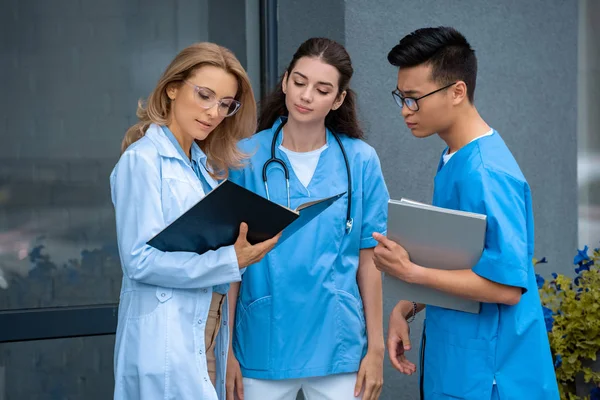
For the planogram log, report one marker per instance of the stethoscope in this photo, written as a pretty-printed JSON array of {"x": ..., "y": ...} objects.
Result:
[{"x": 274, "y": 159}]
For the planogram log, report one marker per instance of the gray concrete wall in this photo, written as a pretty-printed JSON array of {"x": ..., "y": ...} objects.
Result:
[
  {"x": 524, "y": 56},
  {"x": 527, "y": 90},
  {"x": 299, "y": 20}
]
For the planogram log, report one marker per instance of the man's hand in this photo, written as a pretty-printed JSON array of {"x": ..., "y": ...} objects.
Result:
[
  {"x": 391, "y": 258},
  {"x": 399, "y": 342}
]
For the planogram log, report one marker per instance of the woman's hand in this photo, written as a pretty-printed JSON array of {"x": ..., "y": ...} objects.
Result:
[
  {"x": 234, "y": 386},
  {"x": 370, "y": 375},
  {"x": 248, "y": 254}
]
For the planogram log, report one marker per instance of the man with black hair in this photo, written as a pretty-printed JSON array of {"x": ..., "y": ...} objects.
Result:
[{"x": 502, "y": 352}]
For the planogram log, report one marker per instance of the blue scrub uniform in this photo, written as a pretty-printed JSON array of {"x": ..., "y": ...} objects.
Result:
[
  {"x": 465, "y": 353},
  {"x": 299, "y": 312}
]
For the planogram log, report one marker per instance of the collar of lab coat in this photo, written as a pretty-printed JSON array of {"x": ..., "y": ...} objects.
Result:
[{"x": 166, "y": 149}]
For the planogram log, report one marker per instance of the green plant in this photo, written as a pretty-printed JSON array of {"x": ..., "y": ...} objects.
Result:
[{"x": 572, "y": 314}]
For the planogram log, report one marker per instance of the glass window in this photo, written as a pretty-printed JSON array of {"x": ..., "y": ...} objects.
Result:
[{"x": 72, "y": 74}]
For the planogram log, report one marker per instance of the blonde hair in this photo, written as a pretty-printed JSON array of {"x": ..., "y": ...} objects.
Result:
[{"x": 221, "y": 145}]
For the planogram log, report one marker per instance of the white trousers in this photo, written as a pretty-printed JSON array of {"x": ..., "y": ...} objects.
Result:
[{"x": 332, "y": 387}]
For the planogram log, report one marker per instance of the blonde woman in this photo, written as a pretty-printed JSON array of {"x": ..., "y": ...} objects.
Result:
[{"x": 168, "y": 344}]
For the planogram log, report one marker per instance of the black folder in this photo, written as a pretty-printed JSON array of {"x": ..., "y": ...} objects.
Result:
[{"x": 215, "y": 220}]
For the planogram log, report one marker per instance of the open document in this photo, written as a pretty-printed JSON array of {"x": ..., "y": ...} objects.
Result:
[{"x": 215, "y": 220}]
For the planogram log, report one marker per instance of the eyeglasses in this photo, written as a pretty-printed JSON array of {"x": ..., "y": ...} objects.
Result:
[
  {"x": 207, "y": 99},
  {"x": 411, "y": 102}
]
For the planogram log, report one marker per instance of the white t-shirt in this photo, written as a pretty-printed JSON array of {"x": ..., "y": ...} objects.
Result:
[
  {"x": 447, "y": 156},
  {"x": 304, "y": 163}
]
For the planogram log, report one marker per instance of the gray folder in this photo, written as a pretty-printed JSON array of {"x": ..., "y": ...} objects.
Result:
[{"x": 437, "y": 238}]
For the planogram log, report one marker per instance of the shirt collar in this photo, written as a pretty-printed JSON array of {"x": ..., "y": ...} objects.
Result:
[
  {"x": 197, "y": 154},
  {"x": 280, "y": 120}
]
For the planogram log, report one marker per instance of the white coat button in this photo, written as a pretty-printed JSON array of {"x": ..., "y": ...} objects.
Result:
[
  {"x": 200, "y": 321},
  {"x": 200, "y": 352},
  {"x": 224, "y": 322},
  {"x": 163, "y": 294},
  {"x": 205, "y": 291}
]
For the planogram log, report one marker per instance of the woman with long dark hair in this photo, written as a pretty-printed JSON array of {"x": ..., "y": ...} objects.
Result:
[{"x": 309, "y": 315}]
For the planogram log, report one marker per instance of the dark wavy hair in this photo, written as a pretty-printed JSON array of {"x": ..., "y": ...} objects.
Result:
[
  {"x": 344, "y": 119},
  {"x": 445, "y": 49}
]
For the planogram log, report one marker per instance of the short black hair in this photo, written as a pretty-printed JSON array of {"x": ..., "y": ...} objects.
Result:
[{"x": 445, "y": 49}]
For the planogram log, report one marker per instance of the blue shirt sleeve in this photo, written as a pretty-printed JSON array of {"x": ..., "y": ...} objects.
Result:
[
  {"x": 502, "y": 199},
  {"x": 375, "y": 198},
  {"x": 136, "y": 194}
]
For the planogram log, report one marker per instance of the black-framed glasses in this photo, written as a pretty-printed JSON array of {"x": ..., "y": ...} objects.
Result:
[
  {"x": 207, "y": 99},
  {"x": 411, "y": 102}
]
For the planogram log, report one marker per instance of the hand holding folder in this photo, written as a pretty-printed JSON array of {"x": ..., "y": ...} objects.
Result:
[
  {"x": 248, "y": 254},
  {"x": 436, "y": 238},
  {"x": 215, "y": 220}
]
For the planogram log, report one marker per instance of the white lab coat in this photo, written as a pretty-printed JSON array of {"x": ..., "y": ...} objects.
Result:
[{"x": 165, "y": 296}]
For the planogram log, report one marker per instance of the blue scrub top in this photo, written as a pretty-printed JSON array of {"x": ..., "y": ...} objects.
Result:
[
  {"x": 465, "y": 352},
  {"x": 299, "y": 312}
]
